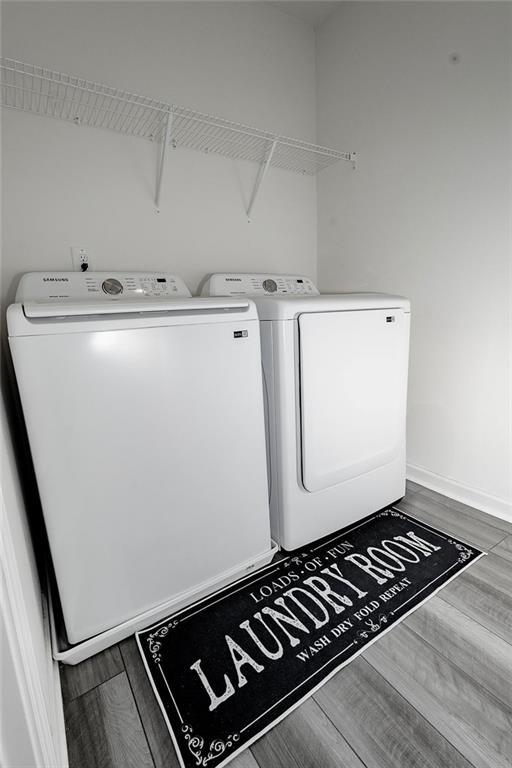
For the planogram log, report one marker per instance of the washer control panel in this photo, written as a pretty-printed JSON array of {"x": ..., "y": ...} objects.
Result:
[
  {"x": 224, "y": 284},
  {"x": 100, "y": 286}
]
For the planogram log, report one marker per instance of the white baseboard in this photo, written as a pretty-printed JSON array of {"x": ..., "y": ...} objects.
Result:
[{"x": 473, "y": 497}]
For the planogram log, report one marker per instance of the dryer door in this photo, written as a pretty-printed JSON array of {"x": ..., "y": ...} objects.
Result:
[{"x": 353, "y": 382}]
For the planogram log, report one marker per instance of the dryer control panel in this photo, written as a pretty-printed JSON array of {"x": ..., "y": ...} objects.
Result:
[
  {"x": 100, "y": 286},
  {"x": 226, "y": 284}
]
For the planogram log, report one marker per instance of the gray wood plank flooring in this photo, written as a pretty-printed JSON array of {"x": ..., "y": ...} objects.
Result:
[
  {"x": 473, "y": 648},
  {"x": 504, "y": 548},
  {"x": 482, "y": 602},
  {"x": 305, "y": 739},
  {"x": 471, "y": 719},
  {"x": 104, "y": 730},
  {"x": 434, "y": 692},
  {"x": 380, "y": 724},
  {"x": 83, "y": 677}
]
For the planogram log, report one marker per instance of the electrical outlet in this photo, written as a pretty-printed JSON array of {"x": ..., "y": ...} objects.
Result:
[{"x": 80, "y": 258}]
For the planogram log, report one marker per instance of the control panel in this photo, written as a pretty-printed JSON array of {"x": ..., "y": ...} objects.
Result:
[
  {"x": 259, "y": 285},
  {"x": 100, "y": 286}
]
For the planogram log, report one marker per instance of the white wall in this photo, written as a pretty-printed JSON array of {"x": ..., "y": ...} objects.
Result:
[
  {"x": 427, "y": 214},
  {"x": 66, "y": 185}
]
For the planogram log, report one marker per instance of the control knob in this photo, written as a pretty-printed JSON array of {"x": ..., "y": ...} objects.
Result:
[
  {"x": 112, "y": 286},
  {"x": 270, "y": 285}
]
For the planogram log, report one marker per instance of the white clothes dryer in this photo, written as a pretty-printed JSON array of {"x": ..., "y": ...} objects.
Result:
[
  {"x": 335, "y": 372},
  {"x": 144, "y": 412}
]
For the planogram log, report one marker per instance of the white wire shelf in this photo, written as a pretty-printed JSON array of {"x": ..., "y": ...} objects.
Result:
[{"x": 36, "y": 89}]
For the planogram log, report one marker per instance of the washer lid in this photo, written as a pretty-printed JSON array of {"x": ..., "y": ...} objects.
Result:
[
  {"x": 50, "y": 302},
  {"x": 42, "y": 318}
]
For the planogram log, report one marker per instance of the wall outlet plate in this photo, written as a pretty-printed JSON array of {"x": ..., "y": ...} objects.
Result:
[{"x": 80, "y": 258}]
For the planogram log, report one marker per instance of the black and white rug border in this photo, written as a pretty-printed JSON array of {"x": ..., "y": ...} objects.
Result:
[{"x": 264, "y": 572}]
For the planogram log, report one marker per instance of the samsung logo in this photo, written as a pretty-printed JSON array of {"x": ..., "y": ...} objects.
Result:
[
  {"x": 55, "y": 279},
  {"x": 233, "y": 279}
]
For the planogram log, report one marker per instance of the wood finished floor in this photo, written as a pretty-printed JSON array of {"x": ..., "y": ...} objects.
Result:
[{"x": 435, "y": 692}]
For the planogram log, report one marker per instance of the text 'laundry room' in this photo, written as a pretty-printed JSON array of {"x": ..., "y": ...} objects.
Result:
[{"x": 256, "y": 288}]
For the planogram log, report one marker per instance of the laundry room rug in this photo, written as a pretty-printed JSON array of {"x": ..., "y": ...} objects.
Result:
[{"x": 229, "y": 667}]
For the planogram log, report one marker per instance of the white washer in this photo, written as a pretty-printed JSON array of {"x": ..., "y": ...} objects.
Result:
[
  {"x": 335, "y": 371},
  {"x": 144, "y": 412}
]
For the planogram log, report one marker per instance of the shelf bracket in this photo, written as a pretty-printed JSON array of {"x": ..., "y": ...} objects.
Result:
[
  {"x": 161, "y": 164},
  {"x": 261, "y": 175}
]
